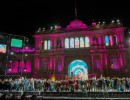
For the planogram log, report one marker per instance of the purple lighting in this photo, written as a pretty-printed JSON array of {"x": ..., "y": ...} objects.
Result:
[
  {"x": 76, "y": 24},
  {"x": 97, "y": 44}
]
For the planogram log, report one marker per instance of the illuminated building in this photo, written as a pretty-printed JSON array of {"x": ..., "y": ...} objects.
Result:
[{"x": 79, "y": 49}]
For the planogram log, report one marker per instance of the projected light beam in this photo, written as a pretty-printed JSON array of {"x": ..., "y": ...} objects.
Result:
[{"x": 79, "y": 69}]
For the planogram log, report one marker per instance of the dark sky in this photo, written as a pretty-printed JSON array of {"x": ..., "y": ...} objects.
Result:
[{"x": 24, "y": 17}]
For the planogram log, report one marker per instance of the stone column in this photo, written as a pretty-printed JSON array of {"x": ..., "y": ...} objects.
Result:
[
  {"x": 37, "y": 63},
  {"x": 62, "y": 63},
  {"x": 62, "y": 42},
  {"x": 92, "y": 60},
  {"x": 54, "y": 42},
  {"x": 91, "y": 41}
]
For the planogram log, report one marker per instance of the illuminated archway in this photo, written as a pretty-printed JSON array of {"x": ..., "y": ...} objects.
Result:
[{"x": 78, "y": 69}]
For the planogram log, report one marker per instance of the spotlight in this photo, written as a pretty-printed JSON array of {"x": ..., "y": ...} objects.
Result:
[
  {"x": 103, "y": 22},
  {"x": 113, "y": 21},
  {"x": 51, "y": 27},
  {"x": 39, "y": 29},
  {"x": 43, "y": 29},
  {"x": 99, "y": 22},
  {"x": 118, "y": 21},
  {"x": 55, "y": 26}
]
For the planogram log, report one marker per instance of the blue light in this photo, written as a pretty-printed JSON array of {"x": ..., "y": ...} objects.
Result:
[
  {"x": 107, "y": 40},
  {"x": 79, "y": 69}
]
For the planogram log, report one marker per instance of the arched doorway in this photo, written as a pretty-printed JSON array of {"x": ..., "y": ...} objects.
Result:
[{"x": 78, "y": 69}]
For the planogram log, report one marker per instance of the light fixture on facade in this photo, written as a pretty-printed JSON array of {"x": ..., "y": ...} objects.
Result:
[
  {"x": 26, "y": 54},
  {"x": 99, "y": 22},
  {"x": 39, "y": 30},
  {"x": 55, "y": 27},
  {"x": 51, "y": 27},
  {"x": 43, "y": 29},
  {"x": 118, "y": 21},
  {"x": 112, "y": 21},
  {"x": 103, "y": 22}
]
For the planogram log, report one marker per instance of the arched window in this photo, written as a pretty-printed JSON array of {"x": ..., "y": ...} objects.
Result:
[
  {"x": 76, "y": 42},
  {"x": 115, "y": 40},
  {"x": 49, "y": 45},
  {"x": 82, "y": 41},
  {"x": 66, "y": 43},
  {"x": 87, "y": 43},
  {"x": 45, "y": 45},
  {"x": 71, "y": 42},
  {"x": 107, "y": 40},
  {"x": 111, "y": 40}
]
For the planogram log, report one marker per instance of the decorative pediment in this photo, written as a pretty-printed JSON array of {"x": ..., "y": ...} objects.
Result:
[{"x": 76, "y": 24}]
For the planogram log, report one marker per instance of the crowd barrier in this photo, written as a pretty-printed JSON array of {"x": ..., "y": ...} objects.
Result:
[{"x": 65, "y": 95}]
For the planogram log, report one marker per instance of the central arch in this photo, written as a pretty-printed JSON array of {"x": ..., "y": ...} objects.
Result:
[{"x": 78, "y": 69}]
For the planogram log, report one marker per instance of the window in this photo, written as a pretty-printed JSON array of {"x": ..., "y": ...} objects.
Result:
[
  {"x": 87, "y": 43},
  {"x": 71, "y": 42},
  {"x": 107, "y": 40},
  {"x": 82, "y": 42},
  {"x": 115, "y": 40},
  {"x": 111, "y": 40},
  {"x": 76, "y": 42},
  {"x": 66, "y": 43},
  {"x": 47, "y": 45}
]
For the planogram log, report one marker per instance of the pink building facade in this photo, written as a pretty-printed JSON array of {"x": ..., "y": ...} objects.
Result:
[{"x": 80, "y": 49}]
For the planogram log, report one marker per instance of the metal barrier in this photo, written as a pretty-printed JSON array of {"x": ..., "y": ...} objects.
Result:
[{"x": 65, "y": 95}]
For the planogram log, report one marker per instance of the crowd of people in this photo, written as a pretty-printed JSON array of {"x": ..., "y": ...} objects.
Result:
[{"x": 92, "y": 84}]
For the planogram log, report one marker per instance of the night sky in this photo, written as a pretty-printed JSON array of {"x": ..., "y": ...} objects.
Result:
[{"x": 24, "y": 17}]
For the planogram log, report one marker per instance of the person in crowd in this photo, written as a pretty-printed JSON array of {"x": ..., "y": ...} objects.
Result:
[{"x": 69, "y": 84}]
